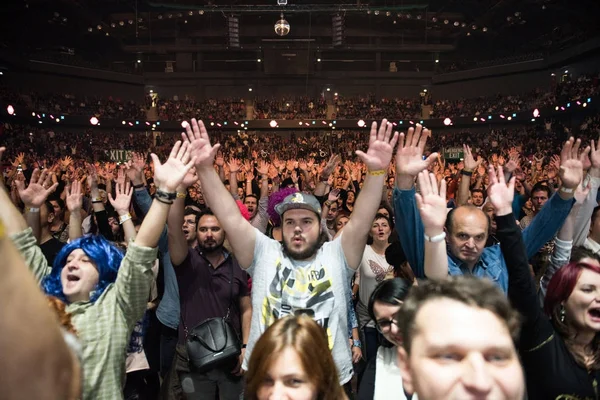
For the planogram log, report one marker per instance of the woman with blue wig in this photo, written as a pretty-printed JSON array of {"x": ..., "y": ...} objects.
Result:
[{"x": 105, "y": 292}]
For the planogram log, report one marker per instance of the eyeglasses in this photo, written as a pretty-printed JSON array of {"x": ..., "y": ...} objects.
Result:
[{"x": 385, "y": 326}]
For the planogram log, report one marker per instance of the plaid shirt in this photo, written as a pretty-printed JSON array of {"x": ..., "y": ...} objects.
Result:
[{"x": 103, "y": 327}]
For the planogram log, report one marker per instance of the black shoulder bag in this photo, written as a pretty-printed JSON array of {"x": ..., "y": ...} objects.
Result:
[{"x": 213, "y": 342}]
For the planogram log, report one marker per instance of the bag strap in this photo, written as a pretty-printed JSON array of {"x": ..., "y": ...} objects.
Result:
[{"x": 230, "y": 291}]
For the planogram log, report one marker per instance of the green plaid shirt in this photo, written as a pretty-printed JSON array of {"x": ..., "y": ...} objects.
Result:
[{"x": 103, "y": 327}]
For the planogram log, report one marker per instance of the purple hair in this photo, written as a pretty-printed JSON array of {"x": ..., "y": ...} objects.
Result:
[{"x": 275, "y": 199}]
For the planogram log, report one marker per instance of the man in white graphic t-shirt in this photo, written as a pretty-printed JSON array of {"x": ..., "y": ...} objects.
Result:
[{"x": 304, "y": 274}]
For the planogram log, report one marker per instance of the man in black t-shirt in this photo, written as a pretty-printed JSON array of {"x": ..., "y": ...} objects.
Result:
[{"x": 49, "y": 244}]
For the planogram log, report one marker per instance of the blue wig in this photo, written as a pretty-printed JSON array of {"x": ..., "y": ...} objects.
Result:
[{"x": 105, "y": 256}]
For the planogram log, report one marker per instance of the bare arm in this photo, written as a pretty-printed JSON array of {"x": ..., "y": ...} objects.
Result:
[
  {"x": 34, "y": 197},
  {"x": 432, "y": 207},
  {"x": 240, "y": 233},
  {"x": 377, "y": 158},
  {"x": 74, "y": 201}
]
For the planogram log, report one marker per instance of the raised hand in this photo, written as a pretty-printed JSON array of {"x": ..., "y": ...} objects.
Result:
[
  {"x": 74, "y": 197},
  {"x": 409, "y": 157},
  {"x": 381, "y": 146},
  {"x": 500, "y": 194},
  {"x": 432, "y": 203},
  {"x": 40, "y": 187},
  {"x": 92, "y": 177},
  {"x": 122, "y": 199},
  {"x": 263, "y": 167},
  {"x": 595, "y": 154},
  {"x": 331, "y": 164},
  {"x": 469, "y": 161},
  {"x": 234, "y": 165},
  {"x": 200, "y": 148},
  {"x": 571, "y": 163},
  {"x": 220, "y": 161},
  {"x": 120, "y": 176},
  {"x": 334, "y": 195},
  {"x": 168, "y": 176},
  {"x": 582, "y": 192}
]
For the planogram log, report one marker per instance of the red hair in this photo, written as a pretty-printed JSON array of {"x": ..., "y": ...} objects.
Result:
[
  {"x": 243, "y": 210},
  {"x": 559, "y": 290},
  {"x": 562, "y": 284}
]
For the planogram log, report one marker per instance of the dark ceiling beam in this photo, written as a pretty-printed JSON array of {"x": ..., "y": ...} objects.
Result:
[
  {"x": 290, "y": 8},
  {"x": 163, "y": 49}
]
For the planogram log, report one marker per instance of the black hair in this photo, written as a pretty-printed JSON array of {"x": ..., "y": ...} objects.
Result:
[
  {"x": 390, "y": 291},
  {"x": 541, "y": 187},
  {"x": 191, "y": 211}
]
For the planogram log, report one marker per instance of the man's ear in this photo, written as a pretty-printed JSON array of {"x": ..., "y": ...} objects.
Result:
[{"x": 404, "y": 364}]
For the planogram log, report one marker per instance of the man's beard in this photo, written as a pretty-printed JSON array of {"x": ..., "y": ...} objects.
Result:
[
  {"x": 210, "y": 247},
  {"x": 309, "y": 252}
]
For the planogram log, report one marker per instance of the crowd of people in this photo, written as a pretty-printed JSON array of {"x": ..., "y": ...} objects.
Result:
[
  {"x": 290, "y": 108},
  {"x": 307, "y": 264}
]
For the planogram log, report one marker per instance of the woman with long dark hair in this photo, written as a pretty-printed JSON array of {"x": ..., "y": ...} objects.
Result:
[{"x": 381, "y": 379}]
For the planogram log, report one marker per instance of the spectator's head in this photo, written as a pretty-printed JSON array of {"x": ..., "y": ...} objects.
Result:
[
  {"x": 595, "y": 225},
  {"x": 489, "y": 210},
  {"x": 380, "y": 229},
  {"x": 292, "y": 360},
  {"x": 477, "y": 197},
  {"x": 475, "y": 357},
  {"x": 59, "y": 207},
  {"x": 301, "y": 225},
  {"x": 467, "y": 230},
  {"x": 209, "y": 233},
  {"x": 572, "y": 304},
  {"x": 341, "y": 220},
  {"x": 540, "y": 193},
  {"x": 251, "y": 203},
  {"x": 46, "y": 214},
  {"x": 83, "y": 269},
  {"x": 190, "y": 224},
  {"x": 384, "y": 304},
  {"x": 332, "y": 211}
]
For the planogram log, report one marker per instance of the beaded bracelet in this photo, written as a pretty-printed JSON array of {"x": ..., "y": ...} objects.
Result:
[{"x": 378, "y": 172}]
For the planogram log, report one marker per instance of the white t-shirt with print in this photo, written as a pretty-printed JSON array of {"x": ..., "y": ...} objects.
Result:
[{"x": 282, "y": 286}]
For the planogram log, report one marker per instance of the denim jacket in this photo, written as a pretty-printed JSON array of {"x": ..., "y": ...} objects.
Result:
[{"x": 491, "y": 264}]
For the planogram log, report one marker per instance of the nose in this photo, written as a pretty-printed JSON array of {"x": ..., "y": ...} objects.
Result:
[
  {"x": 470, "y": 243},
  {"x": 476, "y": 377},
  {"x": 278, "y": 392}
]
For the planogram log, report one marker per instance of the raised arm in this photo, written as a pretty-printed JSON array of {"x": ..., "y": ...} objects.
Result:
[
  {"x": 432, "y": 207},
  {"x": 465, "y": 182},
  {"x": 240, "y": 233},
  {"x": 377, "y": 159},
  {"x": 178, "y": 247},
  {"x": 409, "y": 162},
  {"x": 167, "y": 177},
  {"x": 40, "y": 187},
  {"x": 552, "y": 216},
  {"x": 74, "y": 202},
  {"x": 121, "y": 204}
]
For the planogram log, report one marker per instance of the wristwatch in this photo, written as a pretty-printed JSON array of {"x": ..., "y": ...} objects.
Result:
[{"x": 356, "y": 343}]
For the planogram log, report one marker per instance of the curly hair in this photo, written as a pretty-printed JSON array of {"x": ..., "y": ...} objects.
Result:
[
  {"x": 59, "y": 308},
  {"x": 106, "y": 257},
  {"x": 275, "y": 199}
]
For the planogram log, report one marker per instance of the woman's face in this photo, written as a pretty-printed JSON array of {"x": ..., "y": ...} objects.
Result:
[
  {"x": 582, "y": 308},
  {"x": 286, "y": 379},
  {"x": 380, "y": 230},
  {"x": 350, "y": 198},
  {"x": 341, "y": 222},
  {"x": 385, "y": 318}
]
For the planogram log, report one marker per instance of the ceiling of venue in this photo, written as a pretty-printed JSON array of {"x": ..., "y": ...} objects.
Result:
[{"x": 415, "y": 35}]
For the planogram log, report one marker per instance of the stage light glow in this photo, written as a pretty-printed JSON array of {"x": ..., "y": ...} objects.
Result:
[
  {"x": 273, "y": 124},
  {"x": 447, "y": 121},
  {"x": 536, "y": 113},
  {"x": 361, "y": 123},
  {"x": 94, "y": 121},
  {"x": 10, "y": 110}
]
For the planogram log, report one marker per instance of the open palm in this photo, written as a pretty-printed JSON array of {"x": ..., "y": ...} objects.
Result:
[
  {"x": 168, "y": 176},
  {"x": 500, "y": 194},
  {"x": 199, "y": 143},
  {"x": 381, "y": 146},
  {"x": 36, "y": 193},
  {"x": 432, "y": 202},
  {"x": 409, "y": 157}
]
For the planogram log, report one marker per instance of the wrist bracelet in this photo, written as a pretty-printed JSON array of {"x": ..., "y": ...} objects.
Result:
[
  {"x": 181, "y": 195},
  {"x": 164, "y": 201},
  {"x": 378, "y": 172},
  {"x": 123, "y": 218},
  {"x": 141, "y": 185},
  {"x": 161, "y": 194},
  {"x": 32, "y": 209},
  {"x": 566, "y": 190},
  {"x": 466, "y": 173}
]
